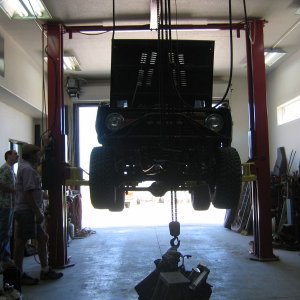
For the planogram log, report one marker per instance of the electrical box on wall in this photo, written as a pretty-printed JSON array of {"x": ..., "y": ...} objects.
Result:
[{"x": 73, "y": 88}]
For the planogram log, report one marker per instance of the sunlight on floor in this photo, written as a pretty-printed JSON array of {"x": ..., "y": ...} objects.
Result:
[{"x": 149, "y": 212}]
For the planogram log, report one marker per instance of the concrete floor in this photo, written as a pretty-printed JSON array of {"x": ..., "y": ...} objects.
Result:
[{"x": 109, "y": 263}]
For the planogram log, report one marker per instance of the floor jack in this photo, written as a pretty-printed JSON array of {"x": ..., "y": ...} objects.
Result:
[{"x": 170, "y": 280}]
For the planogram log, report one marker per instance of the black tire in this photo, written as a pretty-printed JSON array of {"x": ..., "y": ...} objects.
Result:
[
  {"x": 200, "y": 197},
  {"x": 119, "y": 202},
  {"x": 228, "y": 178},
  {"x": 102, "y": 176}
]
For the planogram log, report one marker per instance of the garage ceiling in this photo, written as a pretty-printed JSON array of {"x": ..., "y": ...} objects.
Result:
[{"x": 93, "y": 51}]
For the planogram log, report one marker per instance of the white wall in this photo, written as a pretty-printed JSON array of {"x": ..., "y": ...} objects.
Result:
[
  {"x": 283, "y": 84},
  {"x": 20, "y": 96},
  {"x": 23, "y": 77},
  {"x": 14, "y": 125}
]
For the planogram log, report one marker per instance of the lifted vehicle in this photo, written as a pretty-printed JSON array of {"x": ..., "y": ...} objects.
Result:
[{"x": 161, "y": 126}]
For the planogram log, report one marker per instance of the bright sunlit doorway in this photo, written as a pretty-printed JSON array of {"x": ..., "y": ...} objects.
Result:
[{"x": 144, "y": 209}]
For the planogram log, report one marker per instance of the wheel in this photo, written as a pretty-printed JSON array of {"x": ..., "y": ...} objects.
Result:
[
  {"x": 228, "y": 178},
  {"x": 119, "y": 203},
  {"x": 200, "y": 196},
  {"x": 102, "y": 176}
]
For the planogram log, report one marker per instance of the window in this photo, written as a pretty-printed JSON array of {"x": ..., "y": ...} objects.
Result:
[{"x": 288, "y": 111}]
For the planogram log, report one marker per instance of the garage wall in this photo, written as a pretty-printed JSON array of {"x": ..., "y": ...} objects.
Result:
[
  {"x": 14, "y": 125},
  {"x": 283, "y": 84},
  {"x": 20, "y": 95},
  {"x": 23, "y": 77}
]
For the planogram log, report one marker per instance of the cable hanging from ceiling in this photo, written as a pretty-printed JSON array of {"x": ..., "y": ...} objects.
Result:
[
  {"x": 165, "y": 42},
  {"x": 231, "y": 55},
  {"x": 114, "y": 20}
]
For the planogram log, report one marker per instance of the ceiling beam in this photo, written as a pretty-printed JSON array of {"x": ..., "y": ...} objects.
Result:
[{"x": 146, "y": 27}]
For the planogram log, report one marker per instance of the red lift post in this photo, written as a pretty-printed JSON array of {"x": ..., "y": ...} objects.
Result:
[
  {"x": 57, "y": 227},
  {"x": 258, "y": 138},
  {"x": 259, "y": 142}
]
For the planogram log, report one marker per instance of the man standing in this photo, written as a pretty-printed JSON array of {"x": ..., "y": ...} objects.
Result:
[
  {"x": 29, "y": 215},
  {"x": 7, "y": 199}
]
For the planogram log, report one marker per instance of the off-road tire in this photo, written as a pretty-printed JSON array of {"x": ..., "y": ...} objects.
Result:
[
  {"x": 228, "y": 178},
  {"x": 102, "y": 176},
  {"x": 200, "y": 197}
]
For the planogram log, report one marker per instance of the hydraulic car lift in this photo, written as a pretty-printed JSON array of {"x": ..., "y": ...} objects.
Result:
[{"x": 259, "y": 152}]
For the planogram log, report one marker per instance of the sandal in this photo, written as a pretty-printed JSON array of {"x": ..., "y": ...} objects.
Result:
[{"x": 50, "y": 275}]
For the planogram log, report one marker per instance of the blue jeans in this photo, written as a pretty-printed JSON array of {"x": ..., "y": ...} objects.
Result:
[{"x": 6, "y": 221}]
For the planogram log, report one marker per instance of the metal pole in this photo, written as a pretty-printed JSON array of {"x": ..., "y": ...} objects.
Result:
[
  {"x": 259, "y": 142},
  {"x": 57, "y": 227}
]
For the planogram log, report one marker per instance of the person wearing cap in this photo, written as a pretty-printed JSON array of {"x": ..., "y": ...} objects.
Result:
[
  {"x": 7, "y": 199},
  {"x": 29, "y": 215}
]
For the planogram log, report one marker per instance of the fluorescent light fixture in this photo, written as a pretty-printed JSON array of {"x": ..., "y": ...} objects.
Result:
[
  {"x": 272, "y": 55},
  {"x": 25, "y": 9},
  {"x": 96, "y": 32},
  {"x": 70, "y": 63}
]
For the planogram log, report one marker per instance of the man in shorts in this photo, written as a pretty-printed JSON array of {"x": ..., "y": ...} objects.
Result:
[{"x": 29, "y": 215}]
